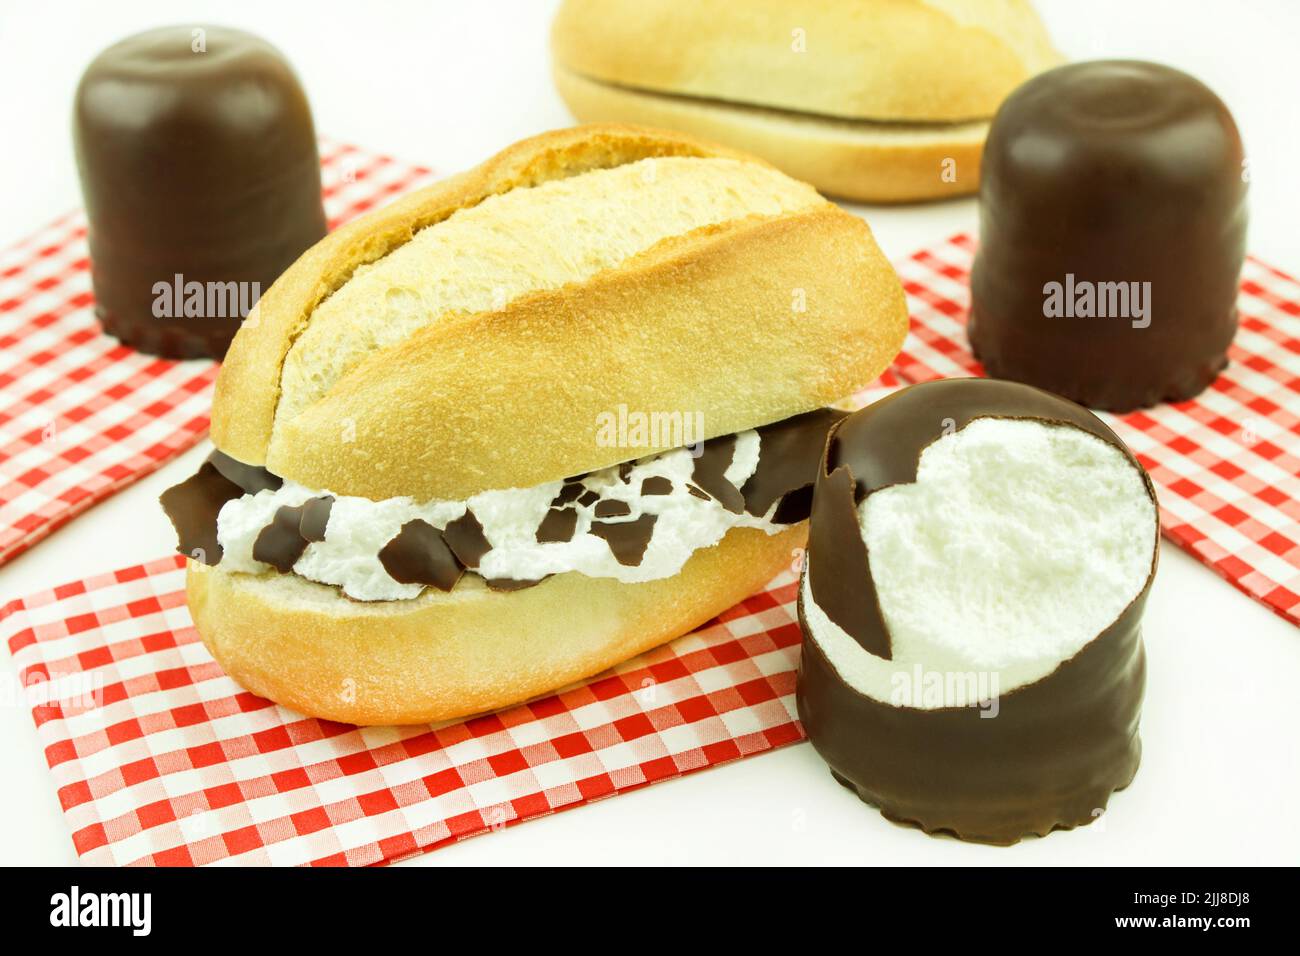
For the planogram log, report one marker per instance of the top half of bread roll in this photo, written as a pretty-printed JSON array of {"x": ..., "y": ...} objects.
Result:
[
  {"x": 894, "y": 61},
  {"x": 470, "y": 335}
]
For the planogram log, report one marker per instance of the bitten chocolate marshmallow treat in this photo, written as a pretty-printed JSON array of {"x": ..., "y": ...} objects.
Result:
[
  {"x": 979, "y": 556},
  {"x": 201, "y": 180},
  {"x": 1112, "y": 233}
]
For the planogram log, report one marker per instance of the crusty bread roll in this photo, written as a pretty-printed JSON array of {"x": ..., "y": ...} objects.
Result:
[
  {"x": 471, "y": 650},
  {"x": 714, "y": 310},
  {"x": 455, "y": 351},
  {"x": 878, "y": 101}
]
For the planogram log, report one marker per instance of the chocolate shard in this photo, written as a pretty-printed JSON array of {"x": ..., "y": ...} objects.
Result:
[
  {"x": 656, "y": 485},
  {"x": 511, "y": 584},
  {"x": 466, "y": 539},
  {"x": 698, "y": 493},
  {"x": 193, "y": 506},
  {"x": 788, "y": 456},
  {"x": 627, "y": 540},
  {"x": 315, "y": 517},
  {"x": 795, "y": 506},
  {"x": 419, "y": 555},
  {"x": 568, "y": 492},
  {"x": 710, "y": 473},
  {"x": 588, "y": 498},
  {"x": 843, "y": 588},
  {"x": 612, "y": 508},
  {"x": 251, "y": 478},
  {"x": 558, "y": 526},
  {"x": 625, "y": 470},
  {"x": 280, "y": 544}
]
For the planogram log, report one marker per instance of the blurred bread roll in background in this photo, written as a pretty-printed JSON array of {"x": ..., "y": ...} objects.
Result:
[{"x": 878, "y": 101}]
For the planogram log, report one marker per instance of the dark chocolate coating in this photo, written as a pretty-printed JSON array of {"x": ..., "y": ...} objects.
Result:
[
  {"x": 657, "y": 485},
  {"x": 558, "y": 525},
  {"x": 627, "y": 540},
  {"x": 611, "y": 508},
  {"x": 193, "y": 506},
  {"x": 419, "y": 555},
  {"x": 316, "y": 517},
  {"x": 511, "y": 584},
  {"x": 202, "y": 164},
  {"x": 251, "y": 478},
  {"x": 788, "y": 457},
  {"x": 1110, "y": 171},
  {"x": 1057, "y": 748},
  {"x": 281, "y": 543},
  {"x": 709, "y": 472},
  {"x": 569, "y": 491},
  {"x": 466, "y": 539}
]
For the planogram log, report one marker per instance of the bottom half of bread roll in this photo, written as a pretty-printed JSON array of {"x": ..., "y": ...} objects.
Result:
[
  {"x": 403, "y": 611},
  {"x": 472, "y": 649},
  {"x": 862, "y": 160}
]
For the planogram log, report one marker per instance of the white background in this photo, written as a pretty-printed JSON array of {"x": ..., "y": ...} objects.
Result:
[{"x": 449, "y": 83}]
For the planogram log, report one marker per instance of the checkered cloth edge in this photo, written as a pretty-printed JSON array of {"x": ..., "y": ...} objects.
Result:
[
  {"x": 1226, "y": 464},
  {"x": 159, "y": 758},
  {"x": 82, "y": 416}
]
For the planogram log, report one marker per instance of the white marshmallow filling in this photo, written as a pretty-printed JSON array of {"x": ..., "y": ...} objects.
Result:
[
  {"x": 1018, "y": 544},
  {"x": 359, "y": 528}
]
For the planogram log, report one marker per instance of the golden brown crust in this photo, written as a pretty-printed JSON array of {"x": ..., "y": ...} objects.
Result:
[
  {"x": 904, "y": 60},
  {"x": 247, "y": 389},
  {"x": 860, "y": 161},
  {"x": 471, "y": 650},
  {"x": 704, "y": 322},
  {"x": 748, "y": 321}
]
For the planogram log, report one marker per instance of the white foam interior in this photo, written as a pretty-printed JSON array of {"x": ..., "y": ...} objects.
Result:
[
  {"x": 1019, "y": 542},
  {"x": 358, "y": 528}
]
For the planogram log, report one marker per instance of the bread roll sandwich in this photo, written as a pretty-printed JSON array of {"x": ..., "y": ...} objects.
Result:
[
  {"x": 439, "y": 487},
  {"x": 874, "y": 100}
]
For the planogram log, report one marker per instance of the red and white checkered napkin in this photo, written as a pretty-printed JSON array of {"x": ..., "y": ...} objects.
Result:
[
  {"x": 159, "y": 758},
  {"x": 1226, "y": 464},
  {"x": 82, "y": 416}
]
